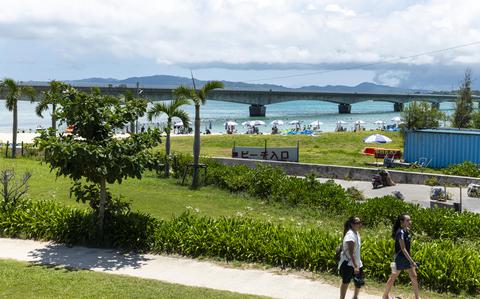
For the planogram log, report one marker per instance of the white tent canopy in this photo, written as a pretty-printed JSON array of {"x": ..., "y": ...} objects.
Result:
[
  {"x": 257, "y": 123},
  {"x": 316, "y": 123},
  {"x": 377, "y": 138},
  {"x": 397, "y": 119},
  {"x": 277, "y": 122}
]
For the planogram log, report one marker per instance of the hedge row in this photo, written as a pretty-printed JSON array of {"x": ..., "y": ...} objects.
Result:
[
  {"x": 274, "y": 185},
  {"x": 446, "y": 265}
]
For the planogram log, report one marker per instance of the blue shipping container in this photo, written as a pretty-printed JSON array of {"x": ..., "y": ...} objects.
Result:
[{"x": 442, "y": 147}]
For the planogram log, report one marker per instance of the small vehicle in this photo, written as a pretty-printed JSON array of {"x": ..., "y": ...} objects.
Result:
[{"x": 377, "y": 181}]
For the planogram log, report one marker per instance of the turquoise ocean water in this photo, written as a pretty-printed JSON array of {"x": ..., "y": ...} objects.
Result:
[{"x": 216, "y": 113}]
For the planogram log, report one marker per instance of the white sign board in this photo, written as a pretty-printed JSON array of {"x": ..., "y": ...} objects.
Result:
[{"x": 269, "y": 153}]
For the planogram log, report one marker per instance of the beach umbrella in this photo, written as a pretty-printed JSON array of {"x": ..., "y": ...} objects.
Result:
[
  {"x": 257, "y": 123},
  {"x": 379, "y": 122},
  {"x": 246, "y": 123},
  {"x": 277, "y": 123},
  {"x": 316, "y": 123},
  {"x": 341, "y": 122},
  {"x": 377, "y": 138},
  {"x": 397, "y": 119},
  {"x": 359, "y": 122},
  {"x": 178, "y": 124},
  {"x": 294, "y": 122},
  {"x": 231, "y": 123}
]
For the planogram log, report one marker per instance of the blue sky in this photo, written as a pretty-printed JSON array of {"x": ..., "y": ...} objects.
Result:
[{"x": 340, "y": 42}]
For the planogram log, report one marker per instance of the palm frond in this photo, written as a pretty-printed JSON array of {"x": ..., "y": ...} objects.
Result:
[
  {"x": 183, "y": 116},
  {"x": 208, "y": 87},
  {"x": 11, "y": 88},
  {"x": 185, "y": 92},
  {"x": 29, "y": 92},
  {"x": 157, "y": 110},
  {"x": 177, "y": 102},
  {"x": 212, "y": 85},
  {"x": 41, "y": 107}
]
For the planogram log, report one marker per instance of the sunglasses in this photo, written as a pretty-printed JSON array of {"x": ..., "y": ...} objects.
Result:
[{"x": 357, "y": 222}]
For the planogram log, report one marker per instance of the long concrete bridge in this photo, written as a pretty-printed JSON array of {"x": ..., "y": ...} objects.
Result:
[{"x": 258, "y": 99}]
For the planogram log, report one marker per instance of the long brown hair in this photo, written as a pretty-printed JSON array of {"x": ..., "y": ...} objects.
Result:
[{"x": 348, "y": 224}]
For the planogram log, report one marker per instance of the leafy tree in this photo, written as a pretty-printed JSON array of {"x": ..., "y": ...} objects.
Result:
[
  {"x": 94, "y": 157},
  {"x": 51, "y": 97},
  {"x": 199, "y": 97},
  {"x": 462, "y": 116},
  {"x": 418, "y": 115},
  {"x": 171, "y": 110},
  {"x": 15, "y": 92}
]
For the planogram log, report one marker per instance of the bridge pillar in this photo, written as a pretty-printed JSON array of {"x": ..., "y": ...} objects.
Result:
[
  {"x": 257, "y": 110},
  {"x": 436, "y": 106},
  {"x": 398, "y": 107},
  {"x": 344, "y": 108}
]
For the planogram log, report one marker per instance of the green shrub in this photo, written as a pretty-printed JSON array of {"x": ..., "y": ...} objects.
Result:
[
  {"x": 466, "y": 168},
  {"x": 446, "y": 265}
]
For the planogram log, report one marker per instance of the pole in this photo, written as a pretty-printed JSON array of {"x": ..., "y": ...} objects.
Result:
[
  {"x": 298, "y": 150},
  {"x": 265, "y": 147},
  {"x": 461, "y": 202},
  {"x": 138, "y": 95}
]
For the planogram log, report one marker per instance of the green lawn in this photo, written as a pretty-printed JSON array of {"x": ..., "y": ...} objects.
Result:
[
  {"x": 339, "y": 148},
  {"x": 23, "y": 280},
  {"x": 164, "y": 198}
]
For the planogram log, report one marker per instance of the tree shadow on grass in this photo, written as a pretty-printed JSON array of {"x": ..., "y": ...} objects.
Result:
[{"x": 86, "y": 258}]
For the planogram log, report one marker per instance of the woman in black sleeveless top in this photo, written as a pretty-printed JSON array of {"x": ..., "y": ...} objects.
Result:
[{"x": 403, "y": 260}]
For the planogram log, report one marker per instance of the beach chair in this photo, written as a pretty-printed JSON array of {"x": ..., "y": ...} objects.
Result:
[{"x": 423, "y": 162}]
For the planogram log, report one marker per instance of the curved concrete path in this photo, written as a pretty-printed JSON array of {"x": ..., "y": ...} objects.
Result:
[{"x": 171, "y": 269}]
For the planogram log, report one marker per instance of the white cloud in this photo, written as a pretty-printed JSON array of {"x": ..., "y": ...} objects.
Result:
[
  {"x": 339, "y": 9},
  {"x": 267, "y": 32}
]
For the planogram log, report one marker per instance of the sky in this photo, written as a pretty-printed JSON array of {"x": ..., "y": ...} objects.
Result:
[{"x": 291, "y": 43}]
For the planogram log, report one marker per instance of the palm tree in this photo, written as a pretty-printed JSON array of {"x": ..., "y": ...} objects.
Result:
[
  {"x": 14, "y": 92},
  {"x": 51, "y": 98},
  {"x": 199, "y": 98},
  {"x": 171, "y": 110}
]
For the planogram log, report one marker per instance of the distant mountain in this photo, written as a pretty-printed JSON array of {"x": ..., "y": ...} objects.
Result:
[{"x": 174, "y": 81}]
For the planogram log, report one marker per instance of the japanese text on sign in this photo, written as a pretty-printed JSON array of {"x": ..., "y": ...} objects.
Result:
[{"x": 260, "y": 153}]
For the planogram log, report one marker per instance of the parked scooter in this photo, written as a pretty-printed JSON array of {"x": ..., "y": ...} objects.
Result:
[
  {"x": 377, "y": 181},
  {"x": 382, "y": 179}
]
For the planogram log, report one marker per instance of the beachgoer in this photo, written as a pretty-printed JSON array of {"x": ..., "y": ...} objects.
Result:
[
  {"x": 402, "y": 258},
  {"x": 350, "y": 264}
]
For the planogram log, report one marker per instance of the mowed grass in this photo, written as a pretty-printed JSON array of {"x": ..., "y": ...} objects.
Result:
[
  {"x": 338, "y": 148},
  {"x": 24, "y": 280},
  {"x": 166, "y": 198}
]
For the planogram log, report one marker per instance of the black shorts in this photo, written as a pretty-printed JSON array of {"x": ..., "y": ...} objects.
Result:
[{"x": 347, "y": 272}]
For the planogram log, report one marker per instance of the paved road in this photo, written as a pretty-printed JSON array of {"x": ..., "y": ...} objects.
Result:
[
  {"x": 171, "y": 269},
  {"x": 413, "y": 193}
]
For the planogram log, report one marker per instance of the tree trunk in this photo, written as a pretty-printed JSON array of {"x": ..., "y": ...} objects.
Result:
[
  {"x": 101, "y": 206},
  {"x": 14, "y": 130},
  {"x": 167, "y": 148},
  {"x": 196, "y": 147},
  {"x": 54, "y": 119},
  {"x": 132, "y": 127}
]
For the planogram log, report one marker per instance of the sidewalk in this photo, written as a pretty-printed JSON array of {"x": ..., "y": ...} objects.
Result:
[
  {"x": 171, "y": 269},
  {"x": 418, "y": 194}
]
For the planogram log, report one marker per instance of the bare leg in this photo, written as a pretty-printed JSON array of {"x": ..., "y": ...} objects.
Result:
[
  {"x": 390, "y": 282},
  {"x": 413, "y": 277},
  {"x": 343, "y": 290},
  {"x": 355, "y": 294}
]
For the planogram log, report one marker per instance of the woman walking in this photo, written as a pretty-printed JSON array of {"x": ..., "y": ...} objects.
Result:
[
  {"x": 350, "y": 264},
  {"x": 403, "y": 260}
]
